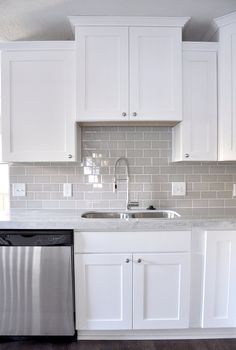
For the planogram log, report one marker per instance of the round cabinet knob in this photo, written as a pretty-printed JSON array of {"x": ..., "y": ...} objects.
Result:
[
  {"x": 134, "y": 114},
  {"x": 124, "y": 114},
  {"x": 139, "y": 261},
  {"x": 69, "y": 156},
  {"x": 186, "y": 155},
  {"x": 127, "y": 261}
]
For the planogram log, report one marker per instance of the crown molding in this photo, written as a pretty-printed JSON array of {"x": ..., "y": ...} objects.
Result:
[
  {"x": 225, "y": 20},
  {"x": 127, "y": 21}
]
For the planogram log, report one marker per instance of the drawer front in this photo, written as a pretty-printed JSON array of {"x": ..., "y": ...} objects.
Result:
[{"x": 148, "y": 241}]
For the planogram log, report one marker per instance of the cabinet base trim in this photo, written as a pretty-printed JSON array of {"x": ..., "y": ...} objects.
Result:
[{"x": 158, "y": 335}]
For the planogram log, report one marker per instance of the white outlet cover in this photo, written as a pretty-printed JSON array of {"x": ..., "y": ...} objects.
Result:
[
  {"x": 178, "y": 188},
  {"x": 234, "y": 190},
  {"x": 67, "y": 190},
  {"x": 18, "y": 190}
]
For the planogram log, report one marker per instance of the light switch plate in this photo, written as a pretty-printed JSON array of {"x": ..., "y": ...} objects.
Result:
[
  {"x": 178, "y": 188},
  {"x": 67, "y": 190},
  {"x": 234, "y": 190},
  {"x": 18, "y": 190}
]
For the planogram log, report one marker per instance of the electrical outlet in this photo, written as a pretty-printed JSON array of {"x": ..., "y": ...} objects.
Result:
[
  {"x": 178, "y": 188},
  {"x": 18, "y": 190},
  {"x": 67, "y": 190}
]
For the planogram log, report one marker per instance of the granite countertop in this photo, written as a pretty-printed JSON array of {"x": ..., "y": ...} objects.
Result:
[{"x": 71, "y": 219}]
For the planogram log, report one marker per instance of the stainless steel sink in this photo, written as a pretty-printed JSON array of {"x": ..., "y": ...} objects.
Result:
[{"x": 152, "y": 214}]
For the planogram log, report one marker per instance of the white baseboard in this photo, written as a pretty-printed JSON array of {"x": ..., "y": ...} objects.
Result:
[{"x": 218, "y": 333}]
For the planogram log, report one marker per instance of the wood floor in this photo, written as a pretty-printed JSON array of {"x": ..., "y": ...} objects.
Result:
[{"x": 121, "y": 345}]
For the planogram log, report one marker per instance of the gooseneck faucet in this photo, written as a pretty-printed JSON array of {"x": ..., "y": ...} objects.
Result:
[{"x": 129, "y": 204}]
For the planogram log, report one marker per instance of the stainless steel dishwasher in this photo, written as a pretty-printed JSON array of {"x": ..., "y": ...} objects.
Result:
[{"x": 36, "y": 283}]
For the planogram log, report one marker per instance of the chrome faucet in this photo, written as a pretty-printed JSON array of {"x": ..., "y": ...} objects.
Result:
[{"x": 129, "y": 204}]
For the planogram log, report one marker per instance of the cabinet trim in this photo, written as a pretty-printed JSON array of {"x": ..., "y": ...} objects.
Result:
[{"x": 128, "y": 21}]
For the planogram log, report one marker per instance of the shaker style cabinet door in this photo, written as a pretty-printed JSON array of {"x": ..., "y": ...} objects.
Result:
[
  {"x": 219, "y": 291},
  {"x": 195, "y": 138},
  {"x": 161, "y": 290},
  {"x": 103, "y": 289},
  {"x": 227, "y": 92},
  {"x": 156, "y": 73},
  {"x": 102, "y": 74},
  {"x": 38, "y": 105}
]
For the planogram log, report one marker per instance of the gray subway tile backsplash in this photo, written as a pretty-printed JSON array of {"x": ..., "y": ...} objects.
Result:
[{"x": 148, "y": 149}]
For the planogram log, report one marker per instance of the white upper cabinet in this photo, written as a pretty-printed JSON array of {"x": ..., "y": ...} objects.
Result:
[
  {"x": 102, "y": 73},
  {"x": 155, "y": 73},
  {"x": 38, "y": 103},
  {"x": 195, "y": 138},
  {"x": 129, "y": 68},
  {"x": 219, "y": 301},
  {"x": 227, "y": 87}
]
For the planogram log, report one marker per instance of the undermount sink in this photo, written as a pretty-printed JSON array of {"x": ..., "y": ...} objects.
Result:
[{"x": 154, "y": 214}]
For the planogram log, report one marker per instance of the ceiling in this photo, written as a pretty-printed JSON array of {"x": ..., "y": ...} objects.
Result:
[{"x": 47, "y": 19}]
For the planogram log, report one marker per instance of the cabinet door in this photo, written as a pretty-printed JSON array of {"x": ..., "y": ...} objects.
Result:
[
  {"x": 102, "y": 55},
  {"x": 227, "y": 92},
  {"x": 156, "y": 73},
  {"x": 38, "y": 105},
  {"x": 219, "y": 303},
  {"x": 103, "y": 287},
  {"x": 161, "y": 285},
  {"x": 195, "y": 138}
]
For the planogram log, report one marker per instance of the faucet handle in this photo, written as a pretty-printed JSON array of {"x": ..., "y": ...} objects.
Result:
[{"x": 133, "y": 204}]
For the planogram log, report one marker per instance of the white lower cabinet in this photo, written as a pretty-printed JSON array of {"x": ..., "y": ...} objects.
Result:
[
  {"x": 161, "y": 291},
  {"x": 219, "y": 288},
  {"x": 132, "y": 291},
  {"x": 103, "y": 291}
]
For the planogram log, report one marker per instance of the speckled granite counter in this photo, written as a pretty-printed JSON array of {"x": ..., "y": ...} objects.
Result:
[{"x": 71, "y": 219}]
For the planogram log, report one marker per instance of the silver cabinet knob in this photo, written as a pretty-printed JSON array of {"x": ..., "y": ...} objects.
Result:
[
  {"x": 127, "y": 261},
  {"x": 139, "y": 261},
  {"x": 134, "y": 114},
  {"x": 70, "y": 156},
  {"x": 124, "y": 114},
  {"x": 186, "y": 155}
]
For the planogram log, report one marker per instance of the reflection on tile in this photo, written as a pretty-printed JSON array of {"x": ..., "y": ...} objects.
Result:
[{"x": 148, "y": 149}]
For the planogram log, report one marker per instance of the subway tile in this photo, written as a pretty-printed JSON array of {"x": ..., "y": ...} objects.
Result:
[
  {"x": 151, "y": 187},
  {"x": 208, "y": 194},
  {"x": 100, "y": 204},
  {"x": 218, "y": 186},
  {"x": 52, "y": 204},
  {"x": 142, "y": 145},
  {"x": 224, "y": 194},
  {"x": 67, "y": 204},
  {"x": 57, "y": 179},
  {"x": 15, "y": 170},
  {"x": 212, "y": 203},
  {"x": 209, "y": 184},
  {"x": 43, "y": 179},
  {"x": 50, "y": 187},
  {"x": 159, "y": 195},
  {"x": 42, "y": 195},
  {"x": 143, "y": 178}
]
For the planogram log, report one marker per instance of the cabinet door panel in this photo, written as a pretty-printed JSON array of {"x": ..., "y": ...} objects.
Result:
[
  {"x": 103, "y": 291},
  {"x": 156, "y": 73},
  {"x": 219, "y": 306},
  {"x": 161, "y": 291},
  {"x": 227, "y": 93},
  {"x": 200, "y": 106},
  {"x": 38, "y": 105},
  {"x": 102, "y": 55}
]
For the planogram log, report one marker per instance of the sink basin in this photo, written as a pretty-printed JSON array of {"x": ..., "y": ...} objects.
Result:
[{"x": 152, "y": 214}]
